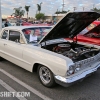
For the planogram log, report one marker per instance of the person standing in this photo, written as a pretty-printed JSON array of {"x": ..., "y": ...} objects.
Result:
[{"x": 6, "y": 24}]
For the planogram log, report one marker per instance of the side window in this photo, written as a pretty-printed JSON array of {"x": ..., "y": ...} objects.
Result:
[
  {"x": 15, "y": 36},
  {"x": 5, "y": 34}
]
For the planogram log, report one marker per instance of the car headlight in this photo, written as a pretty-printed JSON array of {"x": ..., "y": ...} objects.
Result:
[{"x": 73, "y": 69}]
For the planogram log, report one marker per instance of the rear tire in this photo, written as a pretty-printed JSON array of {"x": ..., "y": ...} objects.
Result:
[{"x": 46, "y": 77}]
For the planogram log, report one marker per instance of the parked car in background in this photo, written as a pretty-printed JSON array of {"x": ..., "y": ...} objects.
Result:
[
  {"x": 55, "y": 59},
  {"x": 26, "y": 24},
  {"x": 42, "y": 24},
  {"x": 8, "y": 24},
  {"x": 13, "y": 24},
  {"x": 39, "y": 24},
  {"x": 90, "y": 35}
]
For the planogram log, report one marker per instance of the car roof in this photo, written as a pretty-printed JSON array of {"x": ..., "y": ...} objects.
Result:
[{"x": 22, "y": 27}]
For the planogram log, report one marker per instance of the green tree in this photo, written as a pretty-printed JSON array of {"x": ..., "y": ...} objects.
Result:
[
  {"x": 18, "y": 12},
  {"x": 61, "y": 12},
  {"x": 39, "y": 7},
  {"x": 27, "y": 9},
  {"x": 95, "y": 9},
  {"x": 39, "y": 16}
]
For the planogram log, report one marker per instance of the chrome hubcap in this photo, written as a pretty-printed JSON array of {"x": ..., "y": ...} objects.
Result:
[{"x": 45, "y": 75}]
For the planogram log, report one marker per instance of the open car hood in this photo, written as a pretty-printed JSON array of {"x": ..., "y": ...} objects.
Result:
[{"x": 71, "y": 25}]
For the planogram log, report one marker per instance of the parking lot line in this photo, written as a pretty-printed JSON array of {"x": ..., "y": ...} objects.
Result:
[
  {"x": 10, "y": 89},
  {"x": 34, "y": 91}
]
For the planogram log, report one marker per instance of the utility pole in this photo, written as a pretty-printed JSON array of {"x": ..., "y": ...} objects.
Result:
[
  {"x": 63, "y": 6},
  {"x": 57, "y": 14},
  {"x": 74, "y": 8},
  {"x": 83, "y": 8},
  {"x": 93, "y": 6},
  {"x": 0, "y": 17}
]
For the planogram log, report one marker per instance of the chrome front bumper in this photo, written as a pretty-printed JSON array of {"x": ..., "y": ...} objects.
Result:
[{"x": 69, "y": 81}]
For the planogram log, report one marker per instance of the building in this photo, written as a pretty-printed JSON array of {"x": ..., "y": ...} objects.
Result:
[{"x": 54, "y": 17}]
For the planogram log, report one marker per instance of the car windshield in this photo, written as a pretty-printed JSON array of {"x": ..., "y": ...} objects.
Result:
[{"x": 34, "y": 35}]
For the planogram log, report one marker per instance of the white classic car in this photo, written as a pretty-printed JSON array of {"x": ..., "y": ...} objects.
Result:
[{"x": 55, "y": 59}]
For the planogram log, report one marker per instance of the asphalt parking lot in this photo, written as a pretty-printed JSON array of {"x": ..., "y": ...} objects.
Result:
[{"x": 14, "y": 78}]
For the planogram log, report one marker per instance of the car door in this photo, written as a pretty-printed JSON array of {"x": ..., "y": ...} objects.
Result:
[{"x": 14, "y": 47}]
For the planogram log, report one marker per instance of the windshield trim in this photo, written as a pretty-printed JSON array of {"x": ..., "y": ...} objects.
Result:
[{"x": 30, "y": 31}]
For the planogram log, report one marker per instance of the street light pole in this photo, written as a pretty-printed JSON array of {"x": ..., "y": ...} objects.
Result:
[
  {"x": 63, "y": 6},
  {"x": 74, "y": 8},
  {"x": 83, "y": 8},
  {"x": 0, "y": 17},
  {"x": 57, "y": 14}
]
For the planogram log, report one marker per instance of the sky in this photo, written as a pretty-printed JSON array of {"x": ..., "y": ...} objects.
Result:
[{"x": 48, "y": 6}]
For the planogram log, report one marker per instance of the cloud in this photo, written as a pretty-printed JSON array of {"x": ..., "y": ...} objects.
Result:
[{"x": 48, "y": 6}]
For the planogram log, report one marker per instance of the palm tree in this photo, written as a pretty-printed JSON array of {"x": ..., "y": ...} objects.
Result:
[
  {"x": 27, "y": 9},
  {"x": 18, "y": 12},
  {"x": 39, "y": 7}
]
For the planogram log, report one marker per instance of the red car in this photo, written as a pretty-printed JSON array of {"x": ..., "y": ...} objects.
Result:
[
  {"x": 29, "y": 24},
  {"x": 26, "y": 24},
  {"x": 90, "y": 35}
]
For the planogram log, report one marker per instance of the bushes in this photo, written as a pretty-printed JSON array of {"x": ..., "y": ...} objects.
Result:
[{"x": 39, "y": 16}]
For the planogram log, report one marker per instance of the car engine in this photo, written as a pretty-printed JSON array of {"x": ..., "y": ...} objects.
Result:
[{"x": 75, "y": 52}]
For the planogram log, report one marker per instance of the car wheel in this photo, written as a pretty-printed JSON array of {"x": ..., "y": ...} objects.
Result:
[{"x": 46, "y": 76}]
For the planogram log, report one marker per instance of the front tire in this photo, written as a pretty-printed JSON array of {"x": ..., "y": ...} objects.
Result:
[{"x": 46, "y": 76}]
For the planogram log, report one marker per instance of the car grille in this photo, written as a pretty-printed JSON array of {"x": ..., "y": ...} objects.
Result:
[{"x": 89, "y": 61}]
